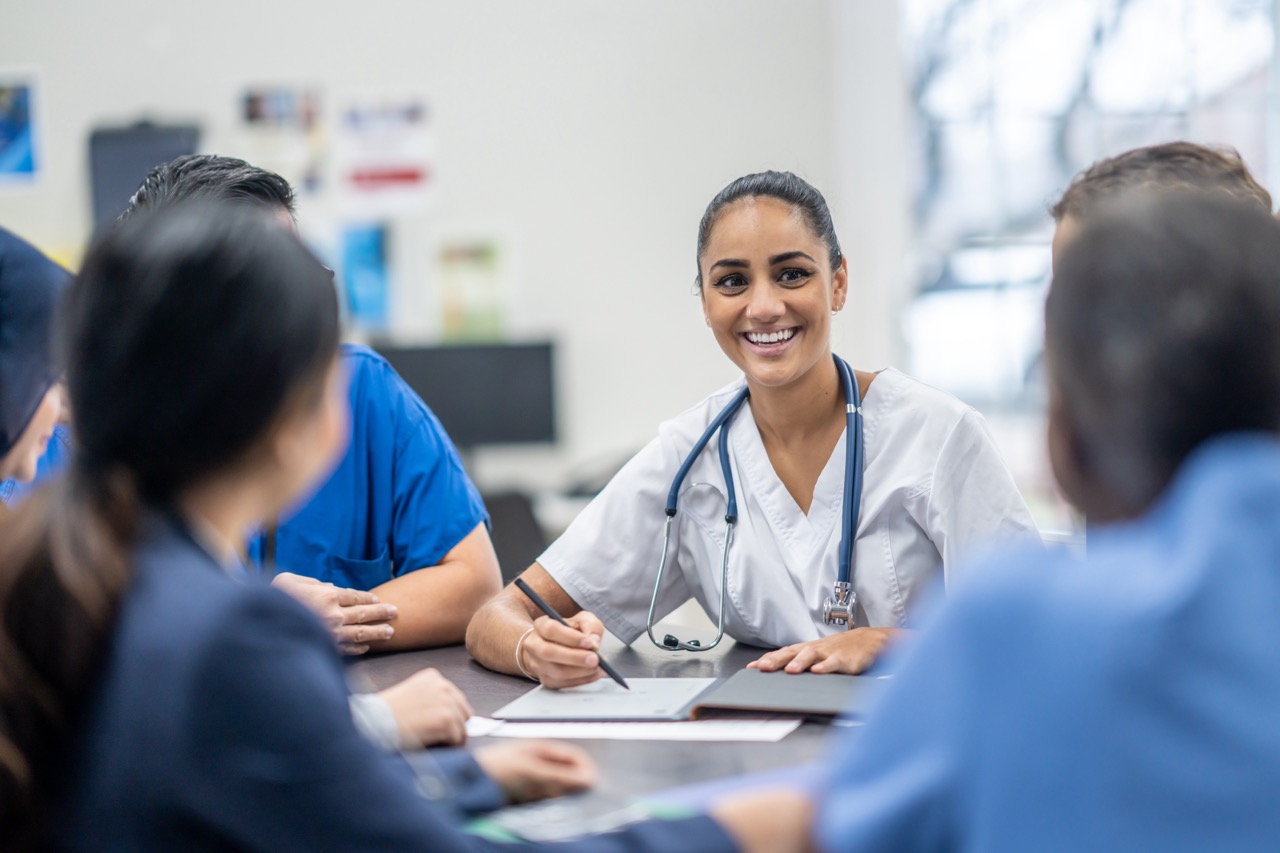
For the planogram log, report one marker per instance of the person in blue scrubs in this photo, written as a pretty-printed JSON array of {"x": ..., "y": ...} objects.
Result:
[
  {"x": 1127, "y": 699},
  {"x": 393, "y": 550},
  {"x": 152, "y": 700},
  {"x": 31, "y": 407}
]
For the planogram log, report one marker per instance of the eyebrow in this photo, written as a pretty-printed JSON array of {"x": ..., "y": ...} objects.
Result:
[
  {"x": 738, "y": 263},
  {"x": 790, "y": 256}
]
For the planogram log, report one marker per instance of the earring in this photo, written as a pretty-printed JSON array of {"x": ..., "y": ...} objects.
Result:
[{"x": 707, "y": 320}]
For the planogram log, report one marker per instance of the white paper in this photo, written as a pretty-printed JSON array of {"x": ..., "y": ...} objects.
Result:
[
  {"x": 604, "y": 700},
  {"x": 768, "y": 730},
  {"x": 481, "y": 726}
]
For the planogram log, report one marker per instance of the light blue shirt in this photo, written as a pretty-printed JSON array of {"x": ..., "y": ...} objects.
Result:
[
  {"x": 398, "y": 501},
  {"x": 1126, "y": 701}
]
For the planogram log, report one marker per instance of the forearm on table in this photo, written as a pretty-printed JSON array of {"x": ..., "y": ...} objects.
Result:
[
  {"x": 435, "y": 604},
  {"x": 495, "y": 630},
  {"x": 498, "y": 626}
]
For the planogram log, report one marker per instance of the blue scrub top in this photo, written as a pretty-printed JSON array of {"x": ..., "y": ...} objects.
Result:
[
  {"x": 56, "y": 454},
  {"x": 398, "y": 501},
  {"x": 1124, "y": 701}
]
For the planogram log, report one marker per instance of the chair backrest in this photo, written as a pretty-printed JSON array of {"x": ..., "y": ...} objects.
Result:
[{"x": 517, "y": 537}]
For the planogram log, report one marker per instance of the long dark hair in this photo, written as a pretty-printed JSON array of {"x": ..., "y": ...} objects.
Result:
[{"x": 186, "y": 336}]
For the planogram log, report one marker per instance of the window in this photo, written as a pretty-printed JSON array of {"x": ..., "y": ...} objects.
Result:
[{"x": 1011, "y": 99}]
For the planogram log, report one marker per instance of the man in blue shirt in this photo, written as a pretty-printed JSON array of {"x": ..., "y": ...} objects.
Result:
[
  {"x": 1127, "y": 700},
  {"x": 393, "y": 551}
]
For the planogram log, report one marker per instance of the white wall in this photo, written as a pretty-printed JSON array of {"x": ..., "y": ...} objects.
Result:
[{"x": 593, "y": 132}]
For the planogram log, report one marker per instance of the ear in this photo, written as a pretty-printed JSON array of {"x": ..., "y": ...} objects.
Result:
[
  {"x": 1067, "y": 455},
  {"x": 840, "y": 285},
  {"x": 702, "y": 297}
]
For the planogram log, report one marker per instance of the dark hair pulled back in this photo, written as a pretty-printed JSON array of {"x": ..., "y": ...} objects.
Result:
[
  {"x": 784, "y": 186},
  {"x": 187, "y": 336}
]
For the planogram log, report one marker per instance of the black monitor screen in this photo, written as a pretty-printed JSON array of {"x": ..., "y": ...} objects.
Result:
[
  {"x": 119, "y": 158},
  {"x": 484, "y": 393}
]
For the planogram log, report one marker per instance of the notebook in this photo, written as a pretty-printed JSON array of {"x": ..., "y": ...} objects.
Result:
[
  {"x": 603, "y": 700},
  {"x": 806, "y": 693},
  {"x": 748, "y": 690}
]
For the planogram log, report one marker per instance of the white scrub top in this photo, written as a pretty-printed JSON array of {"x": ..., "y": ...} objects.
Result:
[{"x": 934, "y": 489}]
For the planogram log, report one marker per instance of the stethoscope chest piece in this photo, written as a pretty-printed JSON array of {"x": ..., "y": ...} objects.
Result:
[{"x": 841, "y": 606}]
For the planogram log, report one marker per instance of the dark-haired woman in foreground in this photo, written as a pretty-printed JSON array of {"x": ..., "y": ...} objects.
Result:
[
  {"x": 148, "y": 699},
  {"x": 927, "y": 488}
]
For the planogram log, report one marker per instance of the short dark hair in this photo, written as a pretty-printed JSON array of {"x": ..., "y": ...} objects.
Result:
[
  {"x": 784, "y": 186},
  {"x": 1169, "y": 165},
  {"x": 210, "y": 177},
  {"x": 1162, "y": 329}
]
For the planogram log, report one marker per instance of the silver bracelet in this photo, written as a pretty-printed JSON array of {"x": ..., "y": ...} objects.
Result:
[{"x": 520, "y": 666}]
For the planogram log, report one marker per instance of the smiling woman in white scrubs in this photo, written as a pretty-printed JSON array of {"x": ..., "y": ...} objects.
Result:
[{"x": 771, "y": 277}]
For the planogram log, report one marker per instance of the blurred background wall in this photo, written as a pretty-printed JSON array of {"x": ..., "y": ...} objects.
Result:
[
  {"x": 588, "y": 136},
  {"x": 578, "y": 142}
]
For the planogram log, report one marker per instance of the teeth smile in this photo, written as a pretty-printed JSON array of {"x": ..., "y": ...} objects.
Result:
[{"x": 770, "y": 337}]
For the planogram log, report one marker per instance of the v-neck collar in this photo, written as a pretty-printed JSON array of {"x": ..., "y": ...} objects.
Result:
[{"x": 803, "y": 535}]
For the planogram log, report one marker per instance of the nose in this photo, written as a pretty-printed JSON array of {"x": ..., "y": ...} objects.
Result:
[{"x": 766, "y": 305}]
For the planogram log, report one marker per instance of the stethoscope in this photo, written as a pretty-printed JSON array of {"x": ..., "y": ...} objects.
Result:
[{"x": 841, "y": 606}]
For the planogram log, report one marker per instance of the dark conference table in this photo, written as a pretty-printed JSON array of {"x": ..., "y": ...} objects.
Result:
[{"x": 627, "y": 768}]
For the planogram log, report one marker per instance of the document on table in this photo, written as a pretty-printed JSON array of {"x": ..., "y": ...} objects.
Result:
[
  {"x": 759, "y": 730},
  {"x": 603, "y": 700}
]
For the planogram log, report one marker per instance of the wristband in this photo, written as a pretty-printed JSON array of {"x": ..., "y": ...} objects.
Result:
[{"x": 519, "y": 665}]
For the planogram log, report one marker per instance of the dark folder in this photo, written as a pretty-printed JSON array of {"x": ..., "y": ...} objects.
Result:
[{"x": 804, "y": 693}]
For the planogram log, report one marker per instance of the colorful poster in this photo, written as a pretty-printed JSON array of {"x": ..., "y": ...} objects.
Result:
[
  {"x": 383, "y": 155},
  {"x": 472, "y": 283},
  {"x": 283, "y": 133},
  {"x": 365, "y": 275},
  {"x": 20, "y": 160}
]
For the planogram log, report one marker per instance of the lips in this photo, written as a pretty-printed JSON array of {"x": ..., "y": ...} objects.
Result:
[
  {"x": 770, "y": 337},
  {"x": 772, "y": 341}
]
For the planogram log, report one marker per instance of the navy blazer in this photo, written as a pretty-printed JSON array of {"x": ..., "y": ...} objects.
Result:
[{"x": 222, "y": 723}]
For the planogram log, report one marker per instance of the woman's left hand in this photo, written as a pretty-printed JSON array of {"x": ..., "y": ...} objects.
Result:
[
  {"x": 850, "y": 652},
  {"x": 537, "y": 769}
]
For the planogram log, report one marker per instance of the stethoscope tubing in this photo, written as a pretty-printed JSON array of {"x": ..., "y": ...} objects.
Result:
[{"x": 853, "y": 465}]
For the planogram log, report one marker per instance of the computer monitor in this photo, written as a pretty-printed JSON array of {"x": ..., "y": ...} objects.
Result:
[
  {"x": 120, "y": 157},
  {"x": 484, "y": 393}
]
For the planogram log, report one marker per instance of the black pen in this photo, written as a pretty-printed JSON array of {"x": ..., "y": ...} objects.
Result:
[{"x": 547, "y": 609}]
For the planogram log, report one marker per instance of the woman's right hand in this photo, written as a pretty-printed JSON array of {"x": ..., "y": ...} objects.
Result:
[{"x": 563, "y": 655}]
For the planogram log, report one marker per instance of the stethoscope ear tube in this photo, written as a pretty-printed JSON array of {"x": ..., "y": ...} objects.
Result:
[
  {"x": 673, "y": 496},
  {"x": 853, "y": 462},
  {"x": 670, "y": 641},
  {"x": 841, "y": 607}
]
